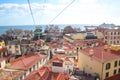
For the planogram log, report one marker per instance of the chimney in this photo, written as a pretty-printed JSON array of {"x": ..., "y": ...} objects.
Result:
[{"x": 91, "y": 52}]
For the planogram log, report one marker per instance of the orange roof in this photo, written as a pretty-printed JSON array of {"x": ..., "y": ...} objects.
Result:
[
  {"x": 61, "y": 59},
  {"x": 27, "y": 61},
  {"x": 101, "y": 54},
  {"x": 57, "y": 58},
  {"x": 41, "y": 74},
  {"x": 45, "y": 73}
]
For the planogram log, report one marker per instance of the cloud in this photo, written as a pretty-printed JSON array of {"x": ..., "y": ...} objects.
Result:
[
  {"x": 64, "y": 1},
  {"x": 80, "y": 12},
  {"x": 88, "y": 1},
  {"x": 12, "y": 9}
]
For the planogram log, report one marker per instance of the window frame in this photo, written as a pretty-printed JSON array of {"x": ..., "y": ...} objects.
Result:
[
  {"x": 106, "y": 74},
  {"x": 114, "y": 72},
  {"x": 108, "y": 65},
  {"x": 116, "y": 63}
]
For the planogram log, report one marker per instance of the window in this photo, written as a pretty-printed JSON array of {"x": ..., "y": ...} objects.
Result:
[
  {"x": 114, "y": 37},
  {"x": 30, "y": 69},
  {"x": 107, "y": 74},
  {"x": 105, "y": 37},
  {"x": 118, "y": 33},
  {"x": 119, "y": 70},
  {"x": 111, "y": 33},
  {"x": 117, "y": 42},
  {"x": 57, "y": 64},
  {"x": 106, "y": 33},
  {"x": 111, "y": 37},
  {"x": 17, "y": 51},
  {"x": 111, "y": 42},
  {"x": 114, "y": 42},
  {"x": 107, "y": 66},
  {"x": 115, "y": 65},
  {"x": 10, "y": 52},
  {"x": 115, "y": 71}
]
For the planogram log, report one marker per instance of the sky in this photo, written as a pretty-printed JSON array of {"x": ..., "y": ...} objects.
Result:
[{"x": 17, "y": 12}]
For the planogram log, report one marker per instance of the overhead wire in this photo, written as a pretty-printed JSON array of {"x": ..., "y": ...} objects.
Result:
[
  {"x": 61, "y": 11},
  {"x": 31, "y": 12},
  {"x": 54, "y": 17}
]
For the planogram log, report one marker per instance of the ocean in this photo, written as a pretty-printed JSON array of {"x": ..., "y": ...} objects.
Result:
[{"x": 3, "y": 29}]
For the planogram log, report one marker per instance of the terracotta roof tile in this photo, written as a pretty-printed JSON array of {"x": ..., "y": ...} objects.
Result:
[
  {"x": 101, "y": 54},
  {"x": 27, "y": 61},
  {"x": 41, "y": 74}
]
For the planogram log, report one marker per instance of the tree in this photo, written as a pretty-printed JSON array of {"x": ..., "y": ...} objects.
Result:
[{"x": 68, "y": 29}]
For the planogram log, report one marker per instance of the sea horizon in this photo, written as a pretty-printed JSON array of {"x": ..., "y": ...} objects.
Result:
[{"x": 4, "y": 28}]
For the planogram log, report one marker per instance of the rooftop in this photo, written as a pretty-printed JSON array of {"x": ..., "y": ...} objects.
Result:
[
  {"x": 10, "y": 74},
  {"x": 41, "y": 74},
  {"x": 25, "y": 62},
  {"x": 102, "y": 54},
  {"x": 45, "y": 73}
]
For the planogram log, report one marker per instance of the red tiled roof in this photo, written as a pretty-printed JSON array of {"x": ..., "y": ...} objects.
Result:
[
  {"x": 112, "y": 30},
  {"x": 115, "y": 77},
  {"x": 57, "y": 58},
  {"x": 41, "y": 74},
  {"x": 45, "y": 73},
  {"x": 7, "y": 57},
  {"x": 27, "y": 61},
  {"x": 100, "y": 54}
]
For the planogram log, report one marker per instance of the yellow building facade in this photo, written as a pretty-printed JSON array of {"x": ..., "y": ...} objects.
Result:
[
  {"x": 2, "y": 43},
  {"x": 73, "y": 37},
  {"x": 92, "y": 65}
]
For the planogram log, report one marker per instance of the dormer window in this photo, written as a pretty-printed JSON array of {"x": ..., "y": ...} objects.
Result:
[{"x": 57, "y": 64}]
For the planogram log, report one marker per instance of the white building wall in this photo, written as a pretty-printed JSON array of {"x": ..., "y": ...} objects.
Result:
[
  {"x": 68, "y": 68},
  {"x": 57, "y": 69},
  {"x": 3, "y": 64}
]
